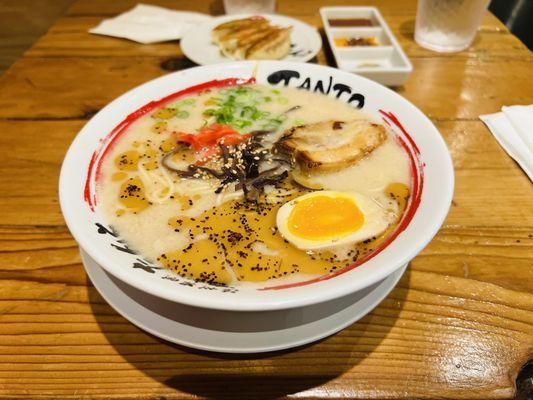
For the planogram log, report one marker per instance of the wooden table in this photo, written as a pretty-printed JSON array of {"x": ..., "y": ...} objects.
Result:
[{"x": 459, "y": 324}]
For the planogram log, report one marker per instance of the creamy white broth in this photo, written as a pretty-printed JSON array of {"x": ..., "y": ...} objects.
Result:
[
  {"x": 371, "y": 175},
  {"x": 148, "y": 231}
]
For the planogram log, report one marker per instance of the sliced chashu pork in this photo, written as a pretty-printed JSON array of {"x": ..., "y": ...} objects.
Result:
[{"x": 331, "y": 145}]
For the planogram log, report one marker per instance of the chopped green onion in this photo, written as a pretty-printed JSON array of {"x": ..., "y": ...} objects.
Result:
[
  {"x": 241, "y": 123},
  {"x": 240, "y": 107},
  {"x": 278, "y": 120},
  {"x": 270, "y": 127},
  {"x": 248, "y": 112},
  {"x": 257, "y": 114},
  {"x": 182, "y": 114}
]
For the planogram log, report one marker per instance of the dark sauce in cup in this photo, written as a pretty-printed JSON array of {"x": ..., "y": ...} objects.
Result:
[{"x": 338, "y": 22}]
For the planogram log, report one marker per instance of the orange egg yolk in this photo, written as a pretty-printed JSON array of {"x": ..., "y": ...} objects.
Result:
[{"x": 324, "y": 217}]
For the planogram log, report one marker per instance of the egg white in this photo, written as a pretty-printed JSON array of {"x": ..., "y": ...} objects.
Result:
[{"x": 377, "y": 219}]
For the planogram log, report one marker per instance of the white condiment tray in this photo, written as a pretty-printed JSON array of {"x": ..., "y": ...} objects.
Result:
[{"x": 385, "y": 63}]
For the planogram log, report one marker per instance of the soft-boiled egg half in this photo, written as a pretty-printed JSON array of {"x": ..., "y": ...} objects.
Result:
[{"x": 327, "y": 219}]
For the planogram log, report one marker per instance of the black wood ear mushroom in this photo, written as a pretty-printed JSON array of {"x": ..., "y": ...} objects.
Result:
[{"x": 524, "y": 382}]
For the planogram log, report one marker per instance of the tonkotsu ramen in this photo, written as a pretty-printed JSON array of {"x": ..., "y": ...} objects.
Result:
[{"x": 252, "y": 183}]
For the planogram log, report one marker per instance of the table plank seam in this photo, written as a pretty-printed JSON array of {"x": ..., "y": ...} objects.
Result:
[
  {"x": 40, "y": 249},
  {"x": 477, "y": 56}
]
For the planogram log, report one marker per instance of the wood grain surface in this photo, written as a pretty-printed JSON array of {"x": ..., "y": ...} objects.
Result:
[
  {"x": 458, "y": 325},
  {"x": 22, "y": 22}
]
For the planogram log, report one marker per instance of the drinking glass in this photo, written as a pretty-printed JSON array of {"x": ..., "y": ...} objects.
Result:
[
  {"x": 249, "y": 6},
  {"x": 448, "y": 25}
]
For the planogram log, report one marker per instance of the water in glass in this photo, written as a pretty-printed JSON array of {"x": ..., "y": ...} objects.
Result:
[{"x": 448, "y": 25}]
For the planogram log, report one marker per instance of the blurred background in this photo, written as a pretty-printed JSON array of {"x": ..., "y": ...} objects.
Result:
[
  {"x": 517, "y": 15},
  {"x": 23, "y": 21}
]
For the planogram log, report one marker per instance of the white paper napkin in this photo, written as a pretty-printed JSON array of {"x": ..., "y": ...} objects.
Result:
[
  {"x": 150, "y": 24},
  {"x": 513, "y": 129}
]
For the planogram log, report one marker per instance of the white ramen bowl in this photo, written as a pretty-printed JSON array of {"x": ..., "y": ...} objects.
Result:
[{"x": 429, "y": 203}]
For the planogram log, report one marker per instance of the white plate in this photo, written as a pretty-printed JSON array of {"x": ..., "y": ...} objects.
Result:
[
  {"x": 233, "y": 331},
  {"x": 197, "y": 45}
]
